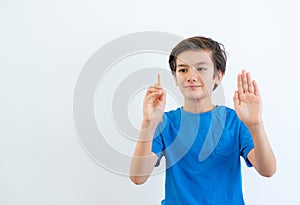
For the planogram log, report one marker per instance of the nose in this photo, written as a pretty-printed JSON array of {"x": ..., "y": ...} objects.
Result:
[{"x": 192, "y": 76}]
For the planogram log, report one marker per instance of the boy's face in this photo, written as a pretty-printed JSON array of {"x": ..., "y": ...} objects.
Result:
[{"x": 195, "y": 74}]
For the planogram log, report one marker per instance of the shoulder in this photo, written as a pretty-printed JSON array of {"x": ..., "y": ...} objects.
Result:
[
  {"x": 232, "y": 119},
  {"x": 170, "y": 118},
  {"x": 230, "y": 113},
  {"x": 173, "y": 113}
]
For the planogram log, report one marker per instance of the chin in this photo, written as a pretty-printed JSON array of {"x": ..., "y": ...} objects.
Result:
[{"x": 196, "y": 97}]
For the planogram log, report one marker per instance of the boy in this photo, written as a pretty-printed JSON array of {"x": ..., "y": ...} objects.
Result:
[{"x": 202, "y": 142}]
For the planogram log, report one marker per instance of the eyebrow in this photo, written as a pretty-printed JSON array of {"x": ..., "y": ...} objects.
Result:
[{"x": 197, "y": 64}]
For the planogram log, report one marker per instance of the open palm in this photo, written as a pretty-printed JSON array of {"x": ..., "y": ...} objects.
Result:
[{"x": 247, "y": 100}]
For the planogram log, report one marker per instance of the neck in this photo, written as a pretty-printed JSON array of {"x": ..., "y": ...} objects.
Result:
[{"x": 198, "y": 107}]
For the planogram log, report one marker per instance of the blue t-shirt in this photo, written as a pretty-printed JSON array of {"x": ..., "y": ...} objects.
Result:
[{"x": 202, "y": 154}]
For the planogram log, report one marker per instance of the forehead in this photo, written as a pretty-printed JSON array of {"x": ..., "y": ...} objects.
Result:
[{"x": 194, "y": 57}]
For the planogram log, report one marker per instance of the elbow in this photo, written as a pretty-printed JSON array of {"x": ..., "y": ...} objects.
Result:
[
  {"x": 138, "y": 180},
  {"x": 268, "y": 173}
]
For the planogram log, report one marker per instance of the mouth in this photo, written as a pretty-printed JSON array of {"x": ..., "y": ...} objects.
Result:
[{"x": 192, "y": 86}]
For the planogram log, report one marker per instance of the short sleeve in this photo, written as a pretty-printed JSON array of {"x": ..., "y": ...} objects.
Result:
[
  {"x": 157, "y": 143},
  {"x": 246, "y": 143}
]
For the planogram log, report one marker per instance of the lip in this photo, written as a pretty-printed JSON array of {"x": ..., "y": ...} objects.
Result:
[{"x": 192, "y": 86}]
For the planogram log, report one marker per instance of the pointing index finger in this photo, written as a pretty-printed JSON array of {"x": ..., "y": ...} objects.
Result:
[
  {"x": 158, "y": 80},
  {"x": 158, "y": 83}
]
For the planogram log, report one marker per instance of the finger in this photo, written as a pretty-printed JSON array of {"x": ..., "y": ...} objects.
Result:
[
  {"x": 150, "y": 102},
  {"x": 244, "y": 81},
  {"x": 163, "y": 97},
  {"x": 250, "y": 83},
  {"x": 150, "y": 98},
  {"x": 239, "y": 82},
  {"x": 152, "y": 89},
  {"x": 162, "y": 102},
  {"x": 158, "y": 80},
  {"x": 256, "y": 89},
  {"x": 155, "y": 86},
  {"x": 236, "y": 100}
]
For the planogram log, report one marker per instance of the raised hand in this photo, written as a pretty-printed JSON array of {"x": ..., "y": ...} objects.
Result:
[
  {"x": 154, "y": 103},
  {"x": 247, "y": 100}
]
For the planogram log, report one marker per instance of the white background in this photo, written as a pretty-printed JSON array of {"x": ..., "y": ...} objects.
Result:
[{"x": 45, "y": 44}]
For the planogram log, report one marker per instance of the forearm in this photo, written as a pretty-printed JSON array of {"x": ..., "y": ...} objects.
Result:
[
  {"x": 263, "y": 158},
  {"x": 143, "y": 159}
]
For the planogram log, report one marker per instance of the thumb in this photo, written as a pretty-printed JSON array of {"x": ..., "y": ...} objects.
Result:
[{"x": 236, "y": 99}]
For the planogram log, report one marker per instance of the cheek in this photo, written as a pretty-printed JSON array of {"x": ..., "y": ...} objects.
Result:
[
  {"x": 179, "y": 80},
  {"x": 209, "y": 83}
]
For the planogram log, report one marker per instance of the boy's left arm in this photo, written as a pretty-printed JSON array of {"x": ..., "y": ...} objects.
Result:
[{"x": 248, "y": 106}]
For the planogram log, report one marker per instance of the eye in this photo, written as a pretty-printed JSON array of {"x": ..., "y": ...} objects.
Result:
[
  {"x": 201, "y": 69},
  {"x": 182, "y": 70}
]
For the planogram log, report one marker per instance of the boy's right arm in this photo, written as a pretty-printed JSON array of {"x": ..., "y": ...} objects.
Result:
[{"x": 144, "y": 160}]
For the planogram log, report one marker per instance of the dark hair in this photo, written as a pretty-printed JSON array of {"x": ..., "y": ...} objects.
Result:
[{"x": 218, "y": 54}]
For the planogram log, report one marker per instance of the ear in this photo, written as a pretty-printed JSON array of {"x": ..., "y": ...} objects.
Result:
[{"x": 219, "y": 77}]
